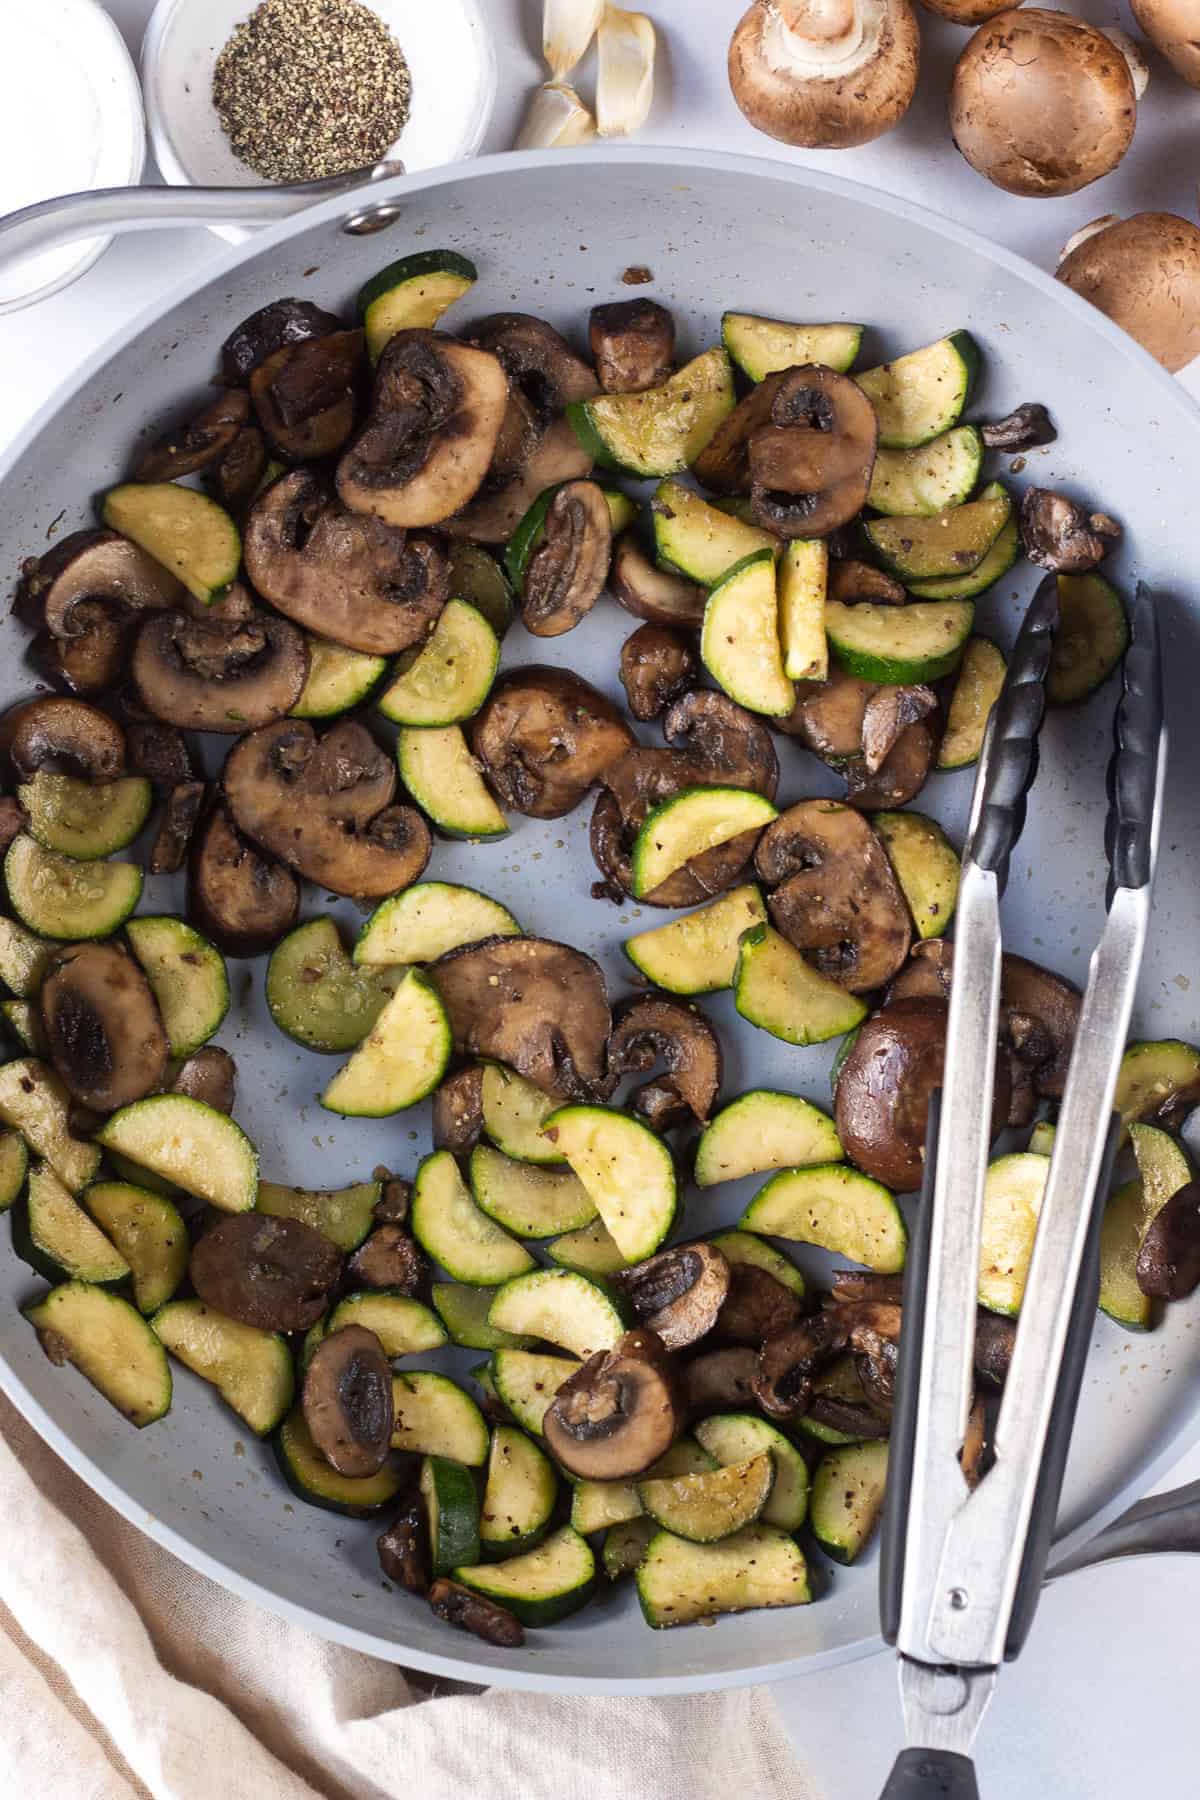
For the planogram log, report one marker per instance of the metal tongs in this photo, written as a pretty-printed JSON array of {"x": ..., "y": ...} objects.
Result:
[{"x": 961, "y": 1568}]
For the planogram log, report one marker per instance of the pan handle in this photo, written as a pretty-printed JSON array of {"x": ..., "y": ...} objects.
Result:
[{"x": 105, "y": 212}]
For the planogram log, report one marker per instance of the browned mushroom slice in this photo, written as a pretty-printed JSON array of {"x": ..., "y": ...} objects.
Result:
[
  {"x": 538, "y": 1006},
  {"x": 853, "y": 1418},
  {"x": 458, "y": 1111},
  {"x": 537, "y": 359},
  {"x": 544, "y": 737},
  {"x": 64, "y": 737},
  {"x": 651, "y": 593},
  {"x": 678, "y": 1293},
  {"x": 724, "y": 463},
  {"x": 756, "y": 1306},
  {"x": 633, "y": 343},
  {"x": 238, "y": 476},
  {"x": 849, "y": 1285},
  {"x": 303, "y": 394},
  {"x": 404, "y": 1547},
  {"x": 435, "y": 418},
  {"x": 243, "y": 900},
  {"x": 839, "y": 901},
  {"x": 733, "y": 746},
  {"x": 1025, "y": 428},
  {"x": 204, "y": 440},
  {"x": 394, "y": 1203},
  {"x": 103, "y": 1026},
  {"x": 208, "y": 675},
  {"x": 1029, "y": 991},
  {"x": 1058, "y": 534},
  {"x": 91, "y": 660},
  {"x": 851, "y": 581},
  {"x": 323, "y": 807},
  {"x": 926, "y": 974},
  {"x": 660, "y": 1105},
  {"x": 811, "y": 465},
  {"x": 635, "y": 783},
  {"x": 181, "y": 814},
  {"x": 566, "y": 574},
  {"x": 95, "y": 568},
  {"x": 721, "y": 1381},
  {"x": 209, "y": 1075},
  {"x": 1168, "y": 1264},
  {"x": 13, "y": 820},
  {"x": 276, "y": 1274},
  {"x": 269, "y": 329},
  {"x": 995, "y": 1338},
  {"x": 160, "y": 753},
  {"x": 650, "y": 1029},
  {"x": 974, "y": 1444},
  {"x": 484, "y": 1618},
  {"x": 619, "y": 1413},
  {"x": 347, "y": 1401},
  {"x": 344, "y": 575},
  {"x": 828, "y": 715},
  {"x": 887, "y": 715},
  {"x": 549, "y": 454},
  {"x": 390, "y": 1258},
  {"x": 789, "y": 1360},
  {"x": 658, "y": 664},
  {"x": 900, "y": 776}
]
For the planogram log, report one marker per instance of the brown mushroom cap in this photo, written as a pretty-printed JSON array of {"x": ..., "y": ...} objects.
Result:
[
  {"x": 887, "y": 715},
  {"x": 484, "y": 1618},
  {"x": 103, "y": 1026},
  {"x": 968, "y": 12},
  {"x": 404, "y": 1547},
  {"x": 238, "y": 476},
  {"x": 733, "y": 746},
  {"x": 544, "y": 737},
  {"x": 1042, "y": 103},
  {"x": 90, "y": 570},
  {"x": 811, "y": 463},
  {"x": 243, "y": 900},
  {"x": 1024, "y": 428},
  {"x": 209, "y": 675},
  {"x": 565, "y": 575},
  {"x": 538, "y": 1006},
  {"x": 541, "y": 456},
  {"x": 90, "y": 661},
  {"x": 347, "y": 1400},
  {"x": 851, "y": 581},
  {"x": 756, "y": 1306},
  {"x": 649, "y": 1029},
  {"x": 537, "y": 360},
  {"x": 995, "y": 1338},
  {"x": 678, "y": 1293},
  {"x": 828, "y": 715},
  {"x": 458, "y": 1111},
  {"x": 344, "y": 575},
  {"x": 303, "y": 394},
  {"x": 276, "y": 1274},
  {"x": 390, "y": 1258},
  {"x": 160, "y": 753},
  {"x": 204, "y": 440},
  {"x": 652, "y": 593},
  {"x": 323, "y": 807},
  {"x": 901, "y": 775},
  {"x": 1171, "y": 27},
  {"x": 1144, "y": 273},
  {"x": 269, "y": 329},
  {"x": 633, "y": 785},
  {"x": 1059, "y": 534},
  {"x": 827, "y": 77},
  {"x": 633, "y": 343},
  {"x": 619, "y": 1413},
  {"x": 1168, "y": 1264},
  {"x": 851, "y": 724},
  {"x": 721, "y": 1380},
  {"x": 658, "y": 664},
  {"x": 394, "y": 1203},
  {"x": 210, "y": 1075},
  {"x": 790, "y": 1358},
  {"x": 64, "y": 737},
  {"x": 180, "y": 816},
  {"x": 724, "y": 463}
]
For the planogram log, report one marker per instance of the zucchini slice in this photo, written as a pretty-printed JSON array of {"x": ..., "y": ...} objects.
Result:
[
  {"x": 561, "y": 1308},
  {"x": 689, "y": 823},
  {"x": 899, "y": 644},
  {"x": 24, "y": 1021},
  {"x": 926, "y": 866},
  {"x": 412, "y": 294},
  {"x": 54, "y": 1235},
  {"x": 188, "y": 976},
  {"x": 1163, "y": 1168},
  {"x": 803, "y": 591},
  {"x": 526, "y": 1382},
  {"x": 343, "y": 1215},
  {"x": 449, "y": 677},
  {"x": 14, "y": 1166},
  {"x": 184, "y": 530},
  {"x": 628, "y": 1171},
  {"x": 837, "y": 1208},
  {"x": 953, "y": 542},
  {"x": 338, "y": 679},
  {"x": 436, "y": 1417},
  {"x": 526, "y": 1200},
  {"x": 847, "y": 1498},
  {"x": 451, "y": 1229},
  {"x": 706, "y": 1508},
  {"x": 402, "y": 1058},
  {"x": 840, "y": 1381},
  {"x": 622, "y": 510},
  {"x": 775, "y": 989},
  {"x": 746, "y": 1247},
  {"x": 998, "y": 561},
  {"x": 464, "y": 1310},
  {"x": 977, "y": 688},
  {"x": 24, "y": 959},
  {"x": 317, "y": 996},
  {"x": 929, "y": 478},
  {"x": 514, "y": 1111},
  {"x": 250, "y": 1369},
  {"x": 58, "y": 897},
  {"x": 426, "y": 921},
  {"x": 679, "y": 1582},
  {"x": 109, "y": 1343},
  {"x": 149, "y": 1233},
  {"x": 1155, "y": 1076},
  {"x": 920, "y": 395},
  {"x": 762, "y": 347},
  {"x": 599, "y": 1505},
  {"x": 1012, "y": 1199},
  {"x": 437, "y": 768},
  {"x": 404, "y": 1327},
  {"x": 451, "y": 1513},
  {"x": 477, "y": 577},
  {"x": 697, "y": 539},
  {"x": 34, "y": 1102},
  {"x": 84, "y": 820},
  {"x": 739, "y": 640},
  {"x": 542, "y": 1585},
  {"x": 734, "y": 1437},
  {"x": 761, "y": 1130},
  {"x": 625, "y": 1545},
  {"x": 312, "y": 1479},
  {"x": 1041, "y": 1138},
  {"x": 190, "y": 1144},
  {"x": 1092, "y": 637},
  {"x": 591, "y": 1251},
  {"x": 519, "y": 1496},
  {"x": 698, "y": 954},
  {"x": 661, "y": 431}
]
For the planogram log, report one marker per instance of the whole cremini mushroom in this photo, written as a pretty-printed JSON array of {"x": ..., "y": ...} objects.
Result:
[
  {"x": 1144, "y": 273},
  {"x": 1172, "y": 28},
  {"x": 1042, "y": 103},
  {"x": 967, "y": 12},
  {"x": 826, "y": 74}
]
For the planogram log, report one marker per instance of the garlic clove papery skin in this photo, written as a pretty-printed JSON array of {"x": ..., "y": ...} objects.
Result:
[
  {"x": 556, "y": 119},
  {"x": 568, "y": 27},
  {"x": 625, "y": 87}
]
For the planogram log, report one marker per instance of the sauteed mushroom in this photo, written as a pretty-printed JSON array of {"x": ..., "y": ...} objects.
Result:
[
  {"x": 544, "y": 737},
  {"x": 486, "y": 1619},
  {"x": 651, "y": 593},
  {"x": 1025, "y": 428},
  {"x": 756, "y": 1306},
  {"x": 900, "y": 776},
  {"x": 851, "y": 581},
  {"x": 238, "y": 476},
  {"x": 160, "y": 753},
  {"x": 828, "y": 716},
  {"x": 542, "y": 456},
  {"x": 633, "y": 342},
  {"x": 658, "y": 663},
  {"x": 733, "y": 745},
  {"x": 619, "y": 1413},
  {"x": 12, "y": 821},
  {"x": 209, "y": 675},
  {"x": 811, "y": 465},
  {"x": 994, "y": 1340},
  {"x": 204, "y": 440},
  {"x": 567, "y": 572},
  {"x": 404, "y": 1548},
  {"x": 241, "y": 899},
  {"x": 63, "y": 737},
  {"x": 788, "y": 1361},
  {"x": 103, "y": 1026},
  {"x": 724, "y": 463},
  {"x": 648, "y": 1029},
  {"x": 633, "y": 785},
  {"x": 181, "y": 813},
  {"x": 458, "y": 1111},
  {"x": 90, "y": 661},
  {"x": 1059, "y": 534},
  {"x": 276, "y": 1274},
  {"x": 678, "y": 1293},
  {"x": 721, "y": 1381},
  {"x": 347, "y": 1400},
  {"x": 390, "y": 1258},
  {"x": 303, "y": 394},
  {"x": 209, "y": 1075},
  {"x": 394, "y": 1203},
  {"x": 887, "y": 715},
  {"x": 1168, "y": 1264},
  {"x": 94, "y": 574},
  {"x": 268, "y": 330},
  {"x": 537, "y": 360}
]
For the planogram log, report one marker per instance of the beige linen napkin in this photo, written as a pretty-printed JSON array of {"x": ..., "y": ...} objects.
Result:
[{"x": 124, "y": 1674}]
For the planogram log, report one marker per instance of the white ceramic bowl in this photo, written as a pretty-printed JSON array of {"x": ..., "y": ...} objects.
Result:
[{"x": 450, "y": 53}]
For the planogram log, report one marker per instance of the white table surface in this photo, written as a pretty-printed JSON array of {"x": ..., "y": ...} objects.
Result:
[{"x": 846, "y": 1723}]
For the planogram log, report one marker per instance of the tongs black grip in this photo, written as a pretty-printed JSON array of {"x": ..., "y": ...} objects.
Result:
[
  {"x": 1011, "y": 754},
  {"x": 1133, "y": 768}
]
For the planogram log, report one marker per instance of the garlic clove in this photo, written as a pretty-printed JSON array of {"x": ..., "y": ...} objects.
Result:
[
  {"x": 625, "y": 86},
  {"x": 568, "y": 27},
  {"x": 556, "y": 119}
]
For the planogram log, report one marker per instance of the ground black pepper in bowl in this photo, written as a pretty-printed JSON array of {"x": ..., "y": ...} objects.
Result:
[{"x": 309, "y": 88}]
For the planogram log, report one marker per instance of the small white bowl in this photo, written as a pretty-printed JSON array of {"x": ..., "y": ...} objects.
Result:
[
  {"x": 450, "y": 53},
  {"x": 70, "y": 92}
]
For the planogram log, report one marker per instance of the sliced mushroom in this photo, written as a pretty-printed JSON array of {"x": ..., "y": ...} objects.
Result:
[
  {"x": 1168, "y": 1264},
  {"x": 64, "y": 737},
  {"x": 652, "y": 593},
  {"x": 811, "y": 465},
  {"x": 854, "y": 1418},
  {"x": 537, "y": 359},
  {"x": 828, "y": 716},
  {"x": 347, "y": 1400},
  {"x": 241, "y": 899},
  {"x": 13, "y": 820},
  {"x": 724, "y": 463},
  {"x": 678, "y": 1293},
  {"x": 900, "y": 776},
  {"x": 342, "y": 574},
  {"x": 619, "y": 1413},
  {"x": 548, "y": 454},
  {"x": 268, "y": 330},
  {"x": 303, "y": 394},
  {"x": 210, "y": 1075},
  {"x": 323, "y": 807},
  {"x": 851, "y": 581},
  {"x": 544, "y": 737},
  {"x": 1025, "y": 428},
  {"x": 828, "y": 77},
  {"x": 835, "y": 895},
  {"x": 633, "y": 343},
  {"x": 926, "y": 974},
  {"x": 276, "y": 1274},
  {"x": 789, "y": 1360},
  {"x": 91, "y": 569},
  {"x": 91, "y": 661},
  {"x": 635, "y": 783},
  {"x": 1027, "y": 991},
  {"x": 204, "y": 440},
  {"x": 458, "y": 1111},
  {"x": 239, "y": 474},
  {"x": 649, "y": 1029},
  {"x": 660, "y": 1105},
  {"x": 435, "y": 418},
  {"x": 733, "y": 745},
  {"x": 888, "y": 713},
  {"x": 850, "y": 1285},
  {"x": 974, "y": 1444},
  {"x": 486, "y": 1619},
  {"x": 1059, "y": 534},
  {"x": 394, "y": 1203},
  {"x": 390, "y": 1258},
  {"x": 721, "y": 1381},
  {"x": 181, "y": 814},
  {"x": 566, "y": 574},
  {"x": 404, "y": 1547},
  {"x": 995, "y": 1338},
  {"x": 538, "y": 1006},
  {"x": 207, "y": 675},
  {"x": 160, "y": 753},
  {"x": 658, "y": 664},
  {"x": 756, "y": 1306},
  {"x": 103, "y": 1026}
]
